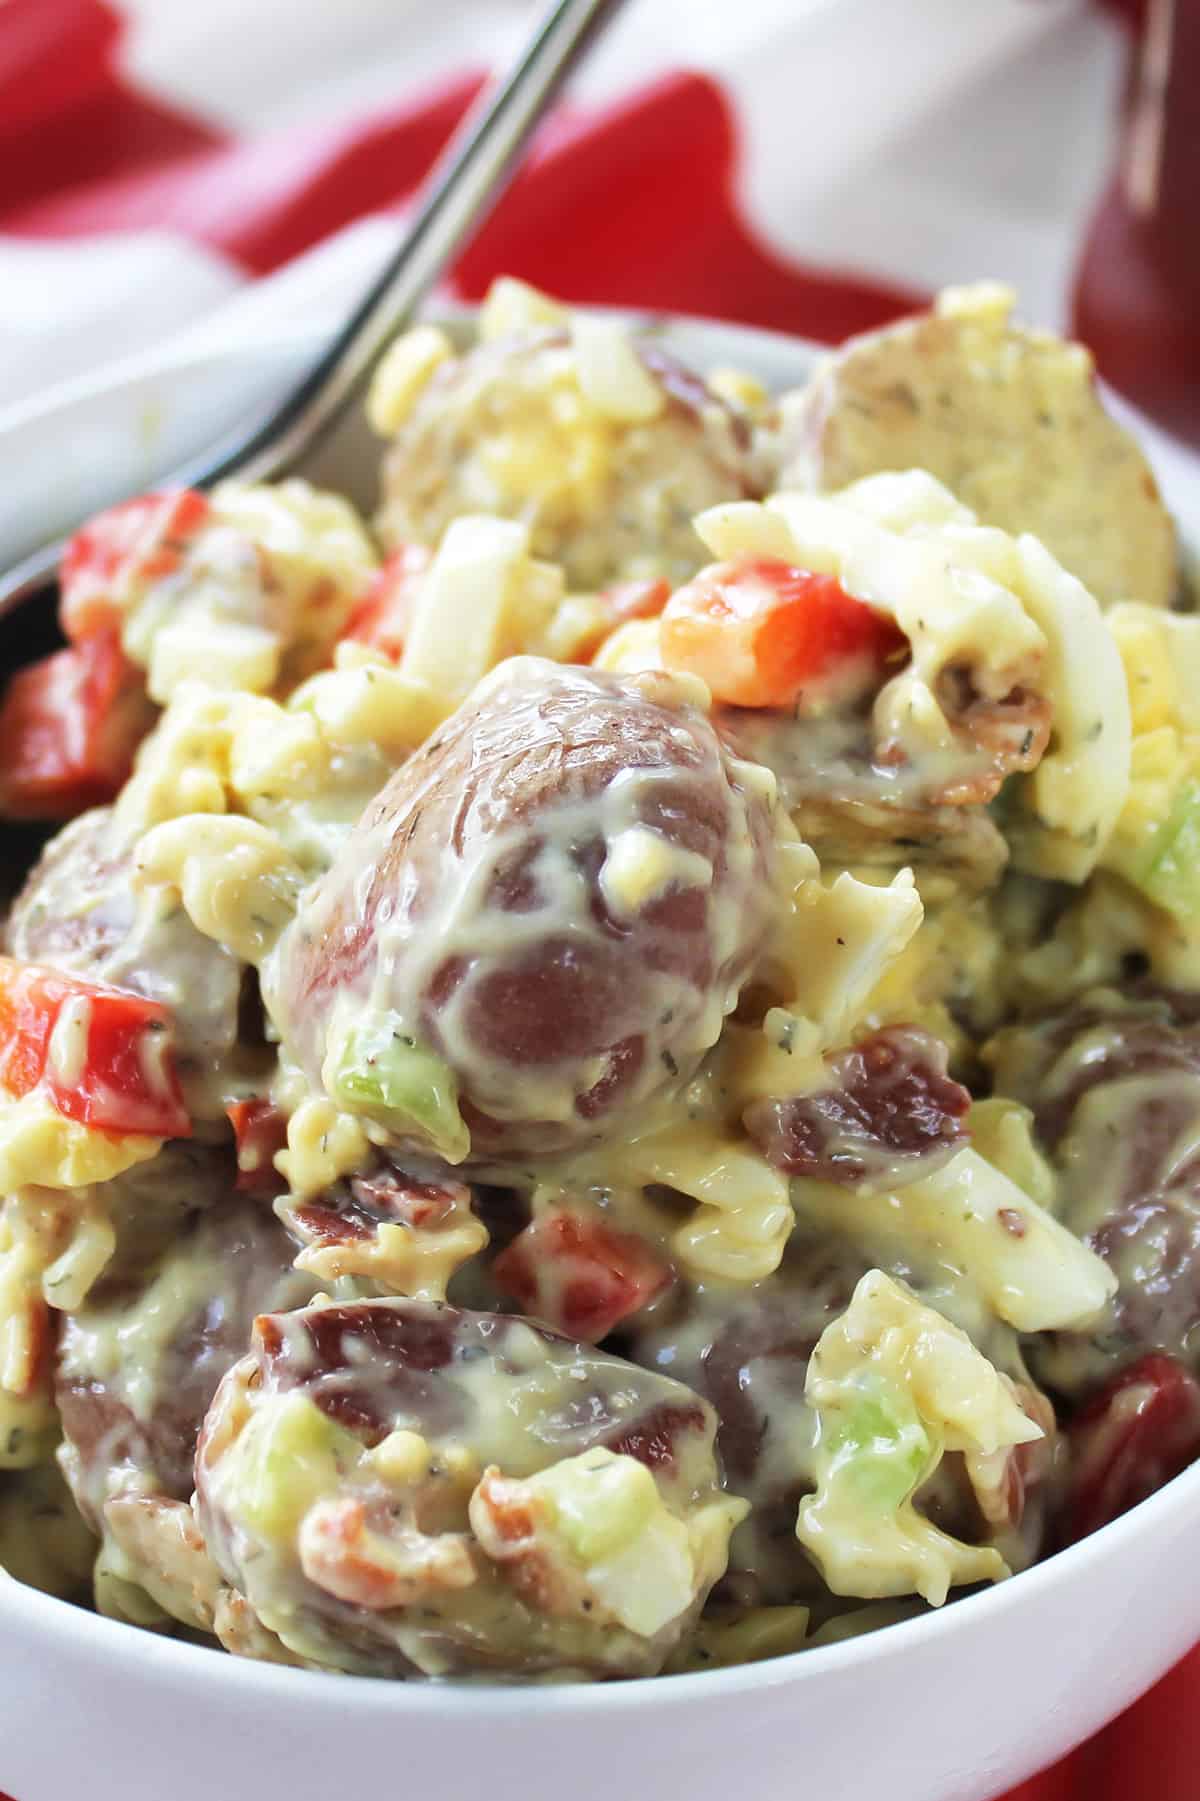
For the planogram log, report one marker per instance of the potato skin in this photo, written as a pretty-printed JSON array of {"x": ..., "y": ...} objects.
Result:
[
  {"x": 1114, "y": 1086},
  {"x": 131, "y": 1425},
  {"x": 503, "y": 430},
  {"x": 486, "y": 1392},
  {"x": 479, "y": 901}
]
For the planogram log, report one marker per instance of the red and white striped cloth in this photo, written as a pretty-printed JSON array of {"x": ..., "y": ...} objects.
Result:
[
  {"x": 810, "y": 165},
  {"x": 819, "y": 163}
]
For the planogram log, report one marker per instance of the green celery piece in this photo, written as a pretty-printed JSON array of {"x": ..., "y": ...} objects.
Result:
[
  {"x": 289, "y": 1456},
  {"x": 385, "y": 1073},
  {"x": 1172, "y": 873},
  {"x": 879, "y": 1450}
]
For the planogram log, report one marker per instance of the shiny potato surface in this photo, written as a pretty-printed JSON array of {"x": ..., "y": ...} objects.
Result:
[
  {"x": 396, "y": 1487},
  {"x": 557, "y": 899}
]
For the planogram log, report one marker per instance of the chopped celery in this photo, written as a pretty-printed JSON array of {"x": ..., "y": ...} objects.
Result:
[
  {"x": 383, "y": 1072},
  {"x": 289, "y": 1456},
  {"x": 878, "y": 1450},
  {"x": 1172, "y": 874},
  {"x": 601, "y": 1501}
]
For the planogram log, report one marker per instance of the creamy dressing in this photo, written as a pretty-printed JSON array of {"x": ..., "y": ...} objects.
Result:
[
  {"x": 425, "y": 1441},
  {"x": 630, "y": 961}
]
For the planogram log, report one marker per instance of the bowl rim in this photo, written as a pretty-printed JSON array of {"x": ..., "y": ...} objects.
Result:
[
  {"x": 48, "y": 1618},
  {"x": 211, "y": 1667}
]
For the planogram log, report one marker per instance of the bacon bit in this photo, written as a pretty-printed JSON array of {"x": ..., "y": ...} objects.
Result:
[
  {"x": 399, "y": 1567},
  {"x": 408, "y": 1235},
  {"x": 139, "y": 541},
  {"x": 1013, "y": 1221},
  {"x": 512, "y": 1518},
  {"x": 1013, "y": 732},
  {"x": 260, "y": 1131},
  {"x": 580, "y": 1275},
  {"x": 318, "y": 1223},
  {"x": 507, "y": 1529},
  {"x": 268, "y": 1335},
  {"x": 392, "y": 1195},
  {"x": 1141, "y": 1429}
]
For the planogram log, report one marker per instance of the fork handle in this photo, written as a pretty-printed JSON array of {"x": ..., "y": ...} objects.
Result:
[
  {"x": 456, "y": 195},
  {"x": 465, "y": 178}
]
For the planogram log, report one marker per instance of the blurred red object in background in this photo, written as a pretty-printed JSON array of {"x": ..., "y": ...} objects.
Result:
[{"x": 1137, "y": 293}]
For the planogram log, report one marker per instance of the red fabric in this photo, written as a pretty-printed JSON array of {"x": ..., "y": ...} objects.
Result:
[
  {"x": 82, "y": 152},
  {"x": 664, "y": 160},
  {"x": 65, "y": 117},
  {"x": 659, "y": 169},
  {"x": 261, "y": 200},
  {"x": 1151, "y": 1753}
]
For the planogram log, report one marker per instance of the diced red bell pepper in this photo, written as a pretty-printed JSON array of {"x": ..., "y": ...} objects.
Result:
[
  {"x": 622, "y": 602},
  {"x": 761, "y": 633},
  {"x": 69, "y": 727},
  {"x": 137, "y": 541},
  {"x": 382, "y": 616},
  {"x": 580, "y": 1275},
  {"x": 636, "y": 600},
  {"x": 1141, "y": 1429},
  {"x": 259, "y": 1130},
  {"x": 117, "y": 1074}
]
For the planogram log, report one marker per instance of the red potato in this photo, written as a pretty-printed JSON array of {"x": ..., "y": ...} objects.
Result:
[
  {"x": 418, "y": 1552},
  {"x": 136, "y": 1415},
  {"x": 891, "y": 1114},
  {"x": 137, "y": 1366},
  {"x": 139, "y": 1362},
  {"x": 1142, "y": 1428},
  {"x": 746, "y": 1349},
  {"x": 1115, "y": 1092},
  {"x": 500, "y": 430},
  {"x": 487, "y": 901}
]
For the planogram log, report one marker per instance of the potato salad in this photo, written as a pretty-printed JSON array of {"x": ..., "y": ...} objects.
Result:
[{"x": 600, "y": 1070}]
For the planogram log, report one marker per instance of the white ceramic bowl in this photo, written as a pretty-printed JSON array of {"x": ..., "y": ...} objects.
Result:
[{"x": 955, "y": 1706}]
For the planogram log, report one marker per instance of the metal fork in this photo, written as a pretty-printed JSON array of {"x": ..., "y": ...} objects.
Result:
[{"x": 464, "y": 182}]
